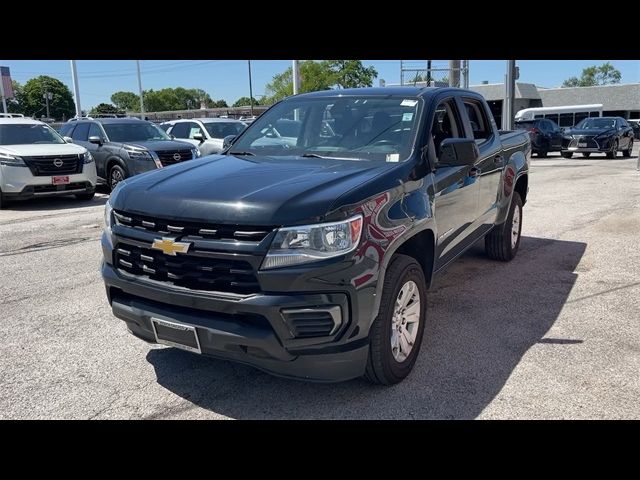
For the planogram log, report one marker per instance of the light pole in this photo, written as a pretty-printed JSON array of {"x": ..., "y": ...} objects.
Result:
[
  {"x": 296, "y": 77},
  {"x": 250, "y": 88},
  {"x": 47, "y": 96},
  {"x": 140, "y": 90},
  {"x": 76, "y": 88},
  {"x": 509, "y": 94}
]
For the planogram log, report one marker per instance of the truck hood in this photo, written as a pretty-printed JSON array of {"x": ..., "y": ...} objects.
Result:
[
  {"x": 37, "y": 149},
  {"x": 160, "y": 145},
  {"x": 592, "y": 131},
  {"x": 264, "y": 191}
]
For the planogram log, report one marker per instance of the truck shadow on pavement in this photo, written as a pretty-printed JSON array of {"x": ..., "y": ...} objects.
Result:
[{"x": 483, "y": 317}]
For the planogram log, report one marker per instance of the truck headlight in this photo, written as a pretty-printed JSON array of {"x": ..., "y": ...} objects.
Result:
[
  {"x": 310, "y": 243},
  {"x": 87, "y": 157},
  {"x": 11, "y": 160},
  {"x": 107, "y": 216}
]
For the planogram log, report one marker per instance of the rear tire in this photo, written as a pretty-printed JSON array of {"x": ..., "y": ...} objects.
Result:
[
  {"x": 85, "y": 196},
  {"x": 627, "y": 153},
  {"x": 403, "y": 282},
  {"x": 614, "y": 150},
  {"x": 586, "y": 155},
  {"x": 503, "y": 241},
  {"x": 116, "y": 175},
  {"x": 567, "y": 154}
]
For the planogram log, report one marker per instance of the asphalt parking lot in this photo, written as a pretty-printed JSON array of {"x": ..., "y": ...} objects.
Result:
[{"x": 553, "y": 334}]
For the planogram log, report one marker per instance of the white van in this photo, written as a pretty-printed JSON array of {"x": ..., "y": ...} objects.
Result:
[{"x": 35, "y": 161}]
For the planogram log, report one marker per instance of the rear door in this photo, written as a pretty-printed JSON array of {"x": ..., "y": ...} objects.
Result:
[
  {"x": 456, "y": 188},
  {"x": 481, "y": 127},
  {"x": 555, "y": 135}
]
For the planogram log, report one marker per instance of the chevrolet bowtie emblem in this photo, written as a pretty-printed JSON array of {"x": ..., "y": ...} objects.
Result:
[{"x": 169, "y": 247}]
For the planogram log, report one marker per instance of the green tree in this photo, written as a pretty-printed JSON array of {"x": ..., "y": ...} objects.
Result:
[
  {"x": 32, "y": 100},
  {"x": 604, "y": 74},
  {"x": 245, "y": 102},
  {"x": 352, "y": 73},
  {"x": 218, "y": 104},
  {"x": 104, "y": 108},
  {"x": 175, "y": 99},
  {"x": 126, "y": 100}
]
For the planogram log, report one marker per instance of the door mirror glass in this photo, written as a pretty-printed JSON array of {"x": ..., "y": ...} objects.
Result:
[
  {"x": 457, "y": 152},
  {"x": 228, "y": 141}
]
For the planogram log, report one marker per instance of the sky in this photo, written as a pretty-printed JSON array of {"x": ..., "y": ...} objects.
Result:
[{"x": 228, "y": 79}]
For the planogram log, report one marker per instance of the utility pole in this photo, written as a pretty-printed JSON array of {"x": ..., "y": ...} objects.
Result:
[
  {"x": 4, "y": 100},
  {"x": 76, "y": 88},
  {"x": 140, "y": 90},
  {"x": 428, "y": 73},
  {"x": 47, "y": 96},
  {"x": 465, "y": 73},
  {"x": 250, "y": 88},
  {"x": 454, "y": 73},
  {"x": 296, "y": 77},
  {"x": 401, "y": 73},
  {"x": 509, "y": 95}
]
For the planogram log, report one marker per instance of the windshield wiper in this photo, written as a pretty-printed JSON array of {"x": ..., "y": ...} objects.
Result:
[
  {"x": 312, "y": 155},
  {"x": 243, "y": 153}
]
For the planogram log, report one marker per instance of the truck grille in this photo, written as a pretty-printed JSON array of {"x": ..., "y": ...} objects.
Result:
[
  {"x": 189, "y": 271},
  {"x": 194, "y": 229},
  {"x": 588, "y": 139},
  {"x": 169, "y": 157},
  {"x": 44, "y": 166}
]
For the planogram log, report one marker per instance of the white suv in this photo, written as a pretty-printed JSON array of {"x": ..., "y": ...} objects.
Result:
[
  {"x": 207, "y": 134},
  {"x": 35, "y": 161}
]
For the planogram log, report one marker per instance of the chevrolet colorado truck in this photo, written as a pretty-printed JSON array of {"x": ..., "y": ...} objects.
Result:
[{"x": 309, "y": 253}]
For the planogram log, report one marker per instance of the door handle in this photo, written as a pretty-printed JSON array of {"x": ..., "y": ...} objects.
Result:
[{"x": 498, "y": 159}]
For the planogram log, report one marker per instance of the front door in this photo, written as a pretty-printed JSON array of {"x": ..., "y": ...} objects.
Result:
[
  {"x": 456, "y": 188},
  {"x": 99, "y": 152}
]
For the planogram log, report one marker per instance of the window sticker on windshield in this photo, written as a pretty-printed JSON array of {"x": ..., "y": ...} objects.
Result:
[
  {"x": 393, "y": 157},
  {"x": 406, "y": 117},
  {"x": 407, "y": 102}
]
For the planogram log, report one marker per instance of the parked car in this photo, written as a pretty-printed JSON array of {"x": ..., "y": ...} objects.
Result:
[
  {"x": 123, "y": 147},
  {"x": 35, "y": 161},
  {"x": 635, "y": 125},
  {"x": 599, "y": 135},
  {"x": 546, "y": 135},
  {"x": 205, "y": 133},
  {"x": 312, "y": 260}
]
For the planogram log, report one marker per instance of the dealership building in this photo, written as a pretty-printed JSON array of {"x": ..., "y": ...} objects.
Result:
[{"x": 622, "y": 100}]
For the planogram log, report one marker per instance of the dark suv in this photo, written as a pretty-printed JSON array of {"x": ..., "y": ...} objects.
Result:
[
  {"x": 123, "y": 147},
  {"x": 546, "y": 135}
]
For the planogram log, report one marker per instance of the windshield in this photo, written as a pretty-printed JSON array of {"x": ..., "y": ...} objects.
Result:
[
  {"x": 28, "y": 133},
  {"x": 223, "y": 129},
  {"x": 134, "y": 132},
  {"x": 352, "y": 128},
  {"x": 596, "y": 123}
]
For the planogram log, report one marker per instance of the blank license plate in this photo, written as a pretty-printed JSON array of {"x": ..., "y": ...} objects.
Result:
[
  {"x": 60, "y": 180},
  {"x": 176, "y": 335},
  {"x": 582, "y": 145}
]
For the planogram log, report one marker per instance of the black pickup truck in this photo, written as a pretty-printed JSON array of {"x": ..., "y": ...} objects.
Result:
[{"x": 308, "y": 251}]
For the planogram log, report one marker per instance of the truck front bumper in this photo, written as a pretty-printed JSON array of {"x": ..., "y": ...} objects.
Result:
[{"x": 250, "y": 330}]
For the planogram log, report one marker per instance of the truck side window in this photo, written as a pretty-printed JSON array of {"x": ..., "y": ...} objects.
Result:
[
  {"x": 446, "y": 124},
  {"x": 480, "y": 125}
]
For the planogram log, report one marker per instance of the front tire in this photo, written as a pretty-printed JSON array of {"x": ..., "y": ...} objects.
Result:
[
  {"x": 614, "y": 150},
  {"x": 116, "y": 175},
  {"x": 627, "y": 153},
  {"x": 542, "y": 153},
  {"x": 503, "y": 241},
  {"x": 567, "y": 154},
  {"x": 396, "y": 333}
]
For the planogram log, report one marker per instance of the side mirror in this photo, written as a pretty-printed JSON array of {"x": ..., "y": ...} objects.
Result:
[
  {"x": 458, "y": 152},
  {"x": 68, "y": 139},
  {"x": 199, "y": 137},
  {"x": 228, "y": 141},
  {"x": 95, "y": 139}
]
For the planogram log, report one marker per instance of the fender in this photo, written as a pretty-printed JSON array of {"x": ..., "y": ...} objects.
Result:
[
  {"x": 517, "y": 167},
  {"x": 115, "y": 159}
]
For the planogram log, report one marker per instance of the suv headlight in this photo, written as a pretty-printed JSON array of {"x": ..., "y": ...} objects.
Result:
[
  {"x": 136, "y": 153},
  {"x": 11, "y": 160},
  {"x": 310, "y": 243},
  {"x": 107, "y": 216},
  {"x": 87, "y": 157}
]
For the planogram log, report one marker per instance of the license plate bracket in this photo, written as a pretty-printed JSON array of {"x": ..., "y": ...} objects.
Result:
[
  {"x": 176, "y": 335},
  {"x": 60, "y": 180}
]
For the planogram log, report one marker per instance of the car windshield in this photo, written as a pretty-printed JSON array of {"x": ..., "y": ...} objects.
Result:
[
  {"x": 223, "y": 129},
  {"x": 348, "y": 128},
  {"x": 28, "y": 133},
  {"x": 134, "y": 132},
  {"x": 596, "y": 123}
]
